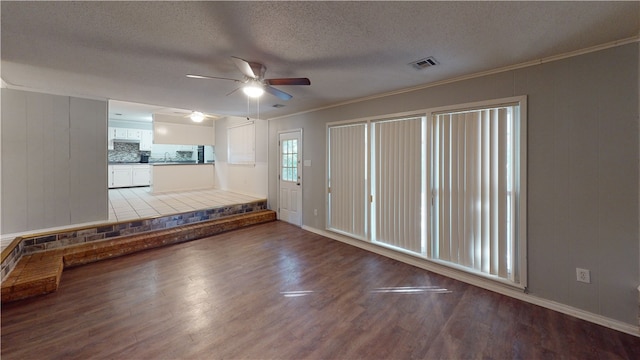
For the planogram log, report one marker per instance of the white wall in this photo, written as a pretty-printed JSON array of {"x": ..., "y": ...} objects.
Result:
[
  {"x": 54, "y": 161},
  {"x": 583, "y": 149},
  {"x": 168, "y": 178},
  {"x": 245, "y": 179},
  {"x": 129, "y": 124},
  {"x": 167, "y": 132}
]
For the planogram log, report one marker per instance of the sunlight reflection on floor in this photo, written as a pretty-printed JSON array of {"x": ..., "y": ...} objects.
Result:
[
  {"x": 296, "y": 293},
  {"x": 393, "y": 289},
  {"x": 412, "y": 290}
]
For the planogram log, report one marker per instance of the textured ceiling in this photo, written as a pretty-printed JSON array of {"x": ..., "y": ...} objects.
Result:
[{"x": 140, "y": 51}]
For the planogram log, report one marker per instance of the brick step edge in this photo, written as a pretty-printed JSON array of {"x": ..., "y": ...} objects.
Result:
[{"x": 20, "y": 284}]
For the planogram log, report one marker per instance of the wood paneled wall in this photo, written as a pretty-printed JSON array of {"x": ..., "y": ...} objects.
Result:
[{"x": 54, "y": 158}]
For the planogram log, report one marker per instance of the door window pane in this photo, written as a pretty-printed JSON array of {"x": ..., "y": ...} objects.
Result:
[{"x": 289, "y": 160}]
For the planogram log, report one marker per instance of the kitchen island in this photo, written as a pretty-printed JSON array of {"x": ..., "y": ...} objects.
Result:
[{"x": 182, "y": 176}]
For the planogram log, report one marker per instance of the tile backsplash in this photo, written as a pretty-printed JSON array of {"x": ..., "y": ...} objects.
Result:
[
  {"x": 130, "y": 152},
  {"x": 174, "y": 155},
  {"x": 126, "y": 152}
]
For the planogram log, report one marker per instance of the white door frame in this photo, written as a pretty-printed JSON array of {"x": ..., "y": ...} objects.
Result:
[{"x": 300, "y": 166}]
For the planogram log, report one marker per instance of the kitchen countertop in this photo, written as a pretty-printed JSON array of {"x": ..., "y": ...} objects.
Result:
[
  {"x": 126, "y": 163},
  {"x": 179, "y": 163},
  {"x": 160, "y": 163}
]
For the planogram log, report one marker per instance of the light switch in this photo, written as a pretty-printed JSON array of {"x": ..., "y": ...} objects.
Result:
[{"x": 307, "y": 163}]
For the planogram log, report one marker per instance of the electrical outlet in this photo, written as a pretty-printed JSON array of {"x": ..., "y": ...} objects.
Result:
[
  {"x": 583, "y": 275},
  {"x": 315, "y": 212}
]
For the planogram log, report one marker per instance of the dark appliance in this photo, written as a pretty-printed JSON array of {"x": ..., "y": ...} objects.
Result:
[
  {"x": 144, "y": 158},
  {"x": 200, "y": 154}
]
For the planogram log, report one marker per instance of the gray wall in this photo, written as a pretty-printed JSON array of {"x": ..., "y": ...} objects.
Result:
[
  {"x": 582, "y": 170},
  {"x": 54, "y": 157}
]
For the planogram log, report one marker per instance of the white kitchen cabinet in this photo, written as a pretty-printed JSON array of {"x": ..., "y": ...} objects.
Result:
[
  {"x": 141, "y": 175},
  {"x": 120, "y": 133},
  {"x": 145, "y": 137},
  {"x": 146, "y": 140},
  {"x": 129, "y": 175},
  {"x": 109, "y": 175},
  {"x": 110, "y": 133},
  {"x": 134, "y": 134},
  {"x": 121, "y": 176},
  {"x": 116, "y": 133}
]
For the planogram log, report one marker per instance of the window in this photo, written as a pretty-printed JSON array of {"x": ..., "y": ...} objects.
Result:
[
  {"x": 347, "y": 180},
  {"x": 289, "y": 160},
  {"x": 447, "y": 185},
  {"x": 397, "y": 166},
  {"x": 475, "y": 186}
]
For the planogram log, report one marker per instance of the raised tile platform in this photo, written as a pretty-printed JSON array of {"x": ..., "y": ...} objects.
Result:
[
  {"x": 39, "y": 273},
  {"x": 62, "y": 238}
]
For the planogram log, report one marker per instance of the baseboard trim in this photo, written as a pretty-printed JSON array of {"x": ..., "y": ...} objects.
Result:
[{"x": 482, "y": 283}]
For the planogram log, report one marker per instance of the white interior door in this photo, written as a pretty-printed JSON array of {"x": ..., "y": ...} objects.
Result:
[{"x": 290, "y": 177}]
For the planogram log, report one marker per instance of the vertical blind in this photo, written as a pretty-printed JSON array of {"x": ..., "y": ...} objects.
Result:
[
  {"x": 445, "y": 186},
  {"x": 347, "y": 179},
  {"x": 397, "y": 163},
  {"x": 472, "y": 184}
]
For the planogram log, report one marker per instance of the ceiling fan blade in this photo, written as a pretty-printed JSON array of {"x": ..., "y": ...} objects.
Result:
[
  {"x": 288, "y": 81},
  {"x": 234, "y": 90},
  {"x": 244, "y": 67},
  {"x": 192, "y": 76},
  {"x": 278, "y": 93}
]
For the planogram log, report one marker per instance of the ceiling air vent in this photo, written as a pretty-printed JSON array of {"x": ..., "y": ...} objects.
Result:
[
  {"x": 424, "y": 63},
  {"x": 278, "y": 106}
]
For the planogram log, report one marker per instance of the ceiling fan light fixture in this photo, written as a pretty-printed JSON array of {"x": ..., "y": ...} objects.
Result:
[
  {"x": 197, "y": 116},
  {"x": 253, "y": 90}
]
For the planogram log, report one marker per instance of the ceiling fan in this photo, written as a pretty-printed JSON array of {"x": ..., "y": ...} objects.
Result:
[{"x": 255, "y": 83}]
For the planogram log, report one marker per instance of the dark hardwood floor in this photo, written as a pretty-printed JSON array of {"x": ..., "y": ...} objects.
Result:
[{"x": 274, "y": 291}]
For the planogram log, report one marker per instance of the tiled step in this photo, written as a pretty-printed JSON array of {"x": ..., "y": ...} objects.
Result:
[{"x": 39, "y": 273}]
